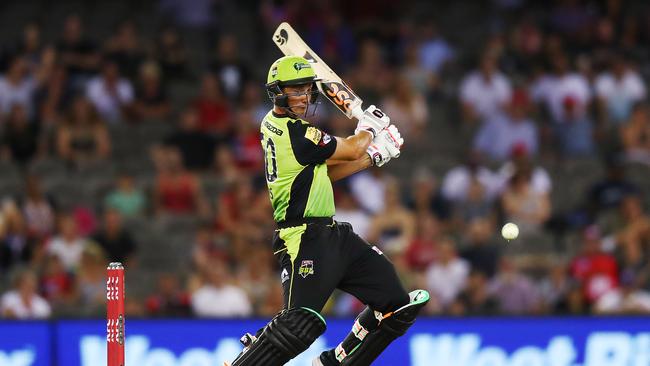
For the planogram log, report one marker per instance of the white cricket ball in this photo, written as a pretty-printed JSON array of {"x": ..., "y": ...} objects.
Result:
[{"x": 510, "y": 231}]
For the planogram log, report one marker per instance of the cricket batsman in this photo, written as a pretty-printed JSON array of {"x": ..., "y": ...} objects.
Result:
[{"x": 317, "y": 254}]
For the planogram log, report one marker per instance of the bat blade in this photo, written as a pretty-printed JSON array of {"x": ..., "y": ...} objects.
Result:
[{"x": 330, "y": 84}]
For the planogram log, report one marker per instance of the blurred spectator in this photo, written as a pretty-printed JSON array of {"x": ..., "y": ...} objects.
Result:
[
  {"x": 126, "y": 197},
  {"x": 422, "y": 251},
  {"x": 618, "y": 89},
  {"x": 627, "y": 299},
  {"x": 332, "y": 37},
  {"x": 274, "y": 301},
  {"x": 110, "y": 93},
  {"x": 55, "y": 98},
  {"x": 447, "y": 276},
  {"x": 30, "y": 45},
  {"x": 348, "y": 210},
  {"x": 523, "y": 205},
  {"x": 214, "y": 113},
  {"x": 20, "y": 142},
  {"x": 56, "y": 284},
  {"x": 476, "y": 205},
  {"x": 38, "y": 209},
  {"x": 23, "y": 302},
  {"x": 196, "y": 147},
  {"x": 115, "y": 240},
  {"x": 169, "y": 300},
  {"x": 633, "y": 229},
  {"x": 426, "y": 198},
  {"x": 366, "y": 186},
  {"x": 515, "y": 292},
  {"x": 476, "y": 299},
  {"x": 635, "y": 135},
  {"x": 190, "y": 13},
  {"x": 18, "y": 86},
  {"x": 232, "y": 206},
  {"x": 224, "y": 165},
  {"x": 171, "y": 54},
  {"x": 245, "y": 143},
  {"x": 176, "y": 191},
  {"x": 78, "y": 54},
  {"x": 501, "y": 134},
  {"x": 393, "y": 228},
  {"x": 479, "y": 250},
  {"x": 422, "y": 80},
  {"x": 207, "y": 248},
  {"x": 595, "y": 270},
  {"x": 90, "y": 280},
  {"x": 229, "y": 68},
  {"x": 256, "y": 276},
  {"x": 485, "y": 92},
  {"x": 151, "y": 101},
  {"x": 555, "y": 287},
  {"x": 570, "y": 17},
  {"x": 567, "y": 96},
  {"x": 125, "y": 48},
  {"x": 458, "y": 180},
  {"x": 217, "y": 297},
  {"x": 371, "y": 75},
  {"x": 82, "y": 137},
  {"x": 408, "y": 109},
  {"x": 608, "y": 193},
  {"x": 252, "y": 101},
  {"x": 520, "y": 160},
  {"x": 16, "y": 248},
  {"x": 434, "y": 50},
  {"x": 67, "y": 244}
]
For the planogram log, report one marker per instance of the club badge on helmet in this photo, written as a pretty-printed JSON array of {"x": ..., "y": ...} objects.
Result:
[{"x": 289, "y": 71}]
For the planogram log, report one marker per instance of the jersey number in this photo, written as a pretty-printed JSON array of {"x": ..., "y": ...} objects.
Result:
[{"x": 270, "y": 164}]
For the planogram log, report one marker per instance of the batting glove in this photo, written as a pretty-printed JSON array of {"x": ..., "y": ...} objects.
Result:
[
  {"x": 373, "y": 121},
  {"x": 386, "y": 146}
]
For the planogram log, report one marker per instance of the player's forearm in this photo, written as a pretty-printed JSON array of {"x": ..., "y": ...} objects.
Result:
[
  {"x": 345, "y": 169},
  {"x": 352, "y": 148}
]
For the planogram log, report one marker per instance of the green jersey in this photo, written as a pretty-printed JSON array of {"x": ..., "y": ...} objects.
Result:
[{"x": 296, "y": 173}]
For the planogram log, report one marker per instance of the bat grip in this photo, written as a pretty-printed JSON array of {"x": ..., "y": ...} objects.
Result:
[{"x": 357, "y": 112}]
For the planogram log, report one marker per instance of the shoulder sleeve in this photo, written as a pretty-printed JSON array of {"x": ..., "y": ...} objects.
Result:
[{"x": 310, "y": 145}]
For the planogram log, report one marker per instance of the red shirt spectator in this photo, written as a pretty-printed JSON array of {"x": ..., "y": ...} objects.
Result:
[
  {"x": 213, "y": 109},
  {"x": 597, "y": 271}
]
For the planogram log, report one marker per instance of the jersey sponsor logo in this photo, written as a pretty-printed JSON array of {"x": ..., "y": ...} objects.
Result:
[
  {"x": 306, "y": 268},
  {"x": 272, "y": 128},
  {"x": 284, "y": 277},
  {"x": 313, "y": 134}
]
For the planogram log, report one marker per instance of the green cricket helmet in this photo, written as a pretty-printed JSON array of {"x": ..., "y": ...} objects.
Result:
[{"x": 287, "y": 71}]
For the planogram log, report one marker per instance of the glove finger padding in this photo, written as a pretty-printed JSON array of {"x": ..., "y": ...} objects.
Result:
[{"x": 393, "y": 140}]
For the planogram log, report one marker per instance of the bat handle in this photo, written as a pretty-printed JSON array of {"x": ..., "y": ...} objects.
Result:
[{"x": 357, "y": 112}]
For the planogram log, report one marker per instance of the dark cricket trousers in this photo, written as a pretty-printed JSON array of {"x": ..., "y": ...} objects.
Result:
[{"x": 318, "y": 255}]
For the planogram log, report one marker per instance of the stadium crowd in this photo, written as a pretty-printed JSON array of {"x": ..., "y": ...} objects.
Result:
[{"x": 545, "y": 85}]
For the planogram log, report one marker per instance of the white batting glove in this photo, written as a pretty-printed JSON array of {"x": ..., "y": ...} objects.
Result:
[
  {"x": 386, "y": 146},
  {"x": 373, "y": 121}
]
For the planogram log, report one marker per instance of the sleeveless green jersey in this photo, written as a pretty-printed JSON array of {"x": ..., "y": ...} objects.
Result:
[{"x": 296, "y": 173}]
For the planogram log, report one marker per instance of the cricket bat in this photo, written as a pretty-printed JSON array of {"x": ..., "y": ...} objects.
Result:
[{"x": 330, "y": 84}]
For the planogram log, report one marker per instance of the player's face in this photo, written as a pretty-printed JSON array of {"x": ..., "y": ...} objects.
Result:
[{"x": 298, "y": 97}]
